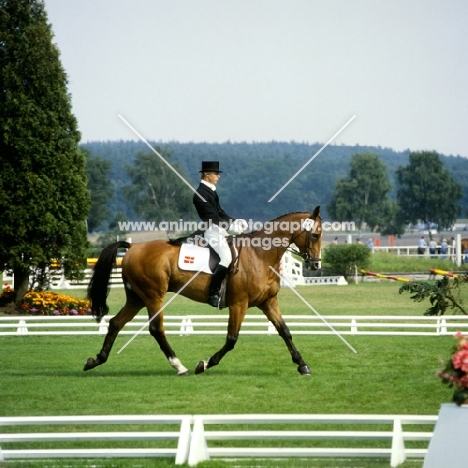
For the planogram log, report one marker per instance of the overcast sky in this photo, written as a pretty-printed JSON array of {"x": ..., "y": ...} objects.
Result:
[{"x": 263, "y": 70}]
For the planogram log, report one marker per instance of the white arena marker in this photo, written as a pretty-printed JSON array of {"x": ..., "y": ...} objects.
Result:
[
  {"x": 159, "y": 311},
  {"x": 312, "y": 309},
  {"x": 312, "y": 158},
  {"x": 160, "y": 157}
]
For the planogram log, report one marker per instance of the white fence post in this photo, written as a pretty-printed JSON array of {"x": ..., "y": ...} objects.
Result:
[
  {"x": 103, "y": 326},
  {"x": 398, "y": 455},
  {"x": 22, "y": 328},
  {"x": 458, "y": 251},
  {"x": 271, "y": 328},
  {"x": 183, "y": 446},
  {"x": 198, "y": 448},
  {"x": 186, "y": 327},
  {"x": 443, "y": 328}
]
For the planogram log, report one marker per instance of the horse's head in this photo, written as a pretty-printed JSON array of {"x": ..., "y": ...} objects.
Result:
[{"x": 309, "y": 240}]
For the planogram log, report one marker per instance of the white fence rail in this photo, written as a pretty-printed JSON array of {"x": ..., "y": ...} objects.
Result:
[
  {"x": 193, "y": 440},
  {"x": 58, "y": 280},
  {"x": 22, "y": 325},
  {"x": 181, "y": 435},
  {"x": 412, "y": 251}
]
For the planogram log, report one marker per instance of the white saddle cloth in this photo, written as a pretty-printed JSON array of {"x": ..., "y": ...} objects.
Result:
[{"x": 194, "y": 258}]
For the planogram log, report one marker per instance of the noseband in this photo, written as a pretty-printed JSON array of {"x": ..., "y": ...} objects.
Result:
[{"x": 310, "y": 262}]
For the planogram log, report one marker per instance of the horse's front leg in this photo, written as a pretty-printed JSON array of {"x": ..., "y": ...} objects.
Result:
[
  {"x": 236, "y": 317},
  {"x": 271, "y": 309},
  {"x": 116, "y": 324},
  {"x": 156, "y": 329}
]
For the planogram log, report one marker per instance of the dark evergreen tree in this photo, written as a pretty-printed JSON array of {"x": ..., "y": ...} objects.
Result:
[
  {"x": 100, "y": 189},
  {"x": 43, "y": 197},
  {"x": 427, "y": 192}
]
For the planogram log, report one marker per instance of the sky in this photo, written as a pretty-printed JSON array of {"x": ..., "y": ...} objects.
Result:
[{"x": 268, "y": 70}]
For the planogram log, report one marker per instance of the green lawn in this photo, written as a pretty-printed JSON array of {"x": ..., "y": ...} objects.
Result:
[
  {"x": 43, "y": 375},
  {"x": 369, "y": 298},
  {"x": 390, "y": 262}
]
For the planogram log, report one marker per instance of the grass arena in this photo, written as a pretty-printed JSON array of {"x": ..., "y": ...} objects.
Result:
[{"x": 43, "y": 375}]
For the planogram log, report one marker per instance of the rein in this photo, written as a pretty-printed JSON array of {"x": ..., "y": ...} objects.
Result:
[{"x": 305, "y": 256}]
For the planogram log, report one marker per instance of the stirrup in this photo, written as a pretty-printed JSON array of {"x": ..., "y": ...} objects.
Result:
[{"x": 214, "y": 301}]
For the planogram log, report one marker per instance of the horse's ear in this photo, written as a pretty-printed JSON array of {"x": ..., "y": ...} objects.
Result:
[{"x": 316, "y": 213}]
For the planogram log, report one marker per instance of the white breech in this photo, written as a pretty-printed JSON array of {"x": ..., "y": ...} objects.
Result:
[{"x": 216, "y": 237}]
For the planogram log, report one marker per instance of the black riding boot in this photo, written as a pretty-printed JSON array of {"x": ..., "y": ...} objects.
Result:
[{"x": 216, "y": 280}]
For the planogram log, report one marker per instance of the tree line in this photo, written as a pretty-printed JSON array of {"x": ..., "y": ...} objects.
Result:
[{"x": 379, "y": 188}]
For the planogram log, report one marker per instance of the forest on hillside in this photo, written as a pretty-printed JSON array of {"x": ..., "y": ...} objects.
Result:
[{"x": 254, "y": 172}]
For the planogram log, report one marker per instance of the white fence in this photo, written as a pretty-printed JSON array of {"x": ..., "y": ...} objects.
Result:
[
  {"x": 412, "y": 251},
  {"x": 58, "y": 280},
  {"x": 185, "y": 325},
  {"x": 193, "y": 440},
  {"x": 454, "y": 252},
  {"x": 290, "y": 269},
  {"x": 181, "y": 435}
]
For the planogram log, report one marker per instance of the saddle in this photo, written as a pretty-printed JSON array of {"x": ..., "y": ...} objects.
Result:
[{"x": 196, "y": 255}]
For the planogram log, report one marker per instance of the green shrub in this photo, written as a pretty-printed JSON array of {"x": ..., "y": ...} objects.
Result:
[
  {"x": 345, "y": 259},
  {"x": 443, "y": 294}
]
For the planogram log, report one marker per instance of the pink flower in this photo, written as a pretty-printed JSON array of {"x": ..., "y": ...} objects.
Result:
[
  {"x": 460, "y": 360},
  {"x": 463, "y": 340}
]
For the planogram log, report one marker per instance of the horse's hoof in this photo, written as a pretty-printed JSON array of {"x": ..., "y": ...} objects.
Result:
[
  {"x": 90, "y": 364},
  {"x": 201, "y": 367},
  {"x": 183, "y": 373},
  {"x": 304, "y": 370}
]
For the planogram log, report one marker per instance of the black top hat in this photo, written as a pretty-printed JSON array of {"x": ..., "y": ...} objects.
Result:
[{"x": 210, "y": 166}]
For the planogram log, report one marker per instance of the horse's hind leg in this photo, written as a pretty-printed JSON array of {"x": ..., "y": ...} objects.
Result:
[
  {"x": 156, "y": 329},
  {"x": 271, "y": 309},
  {"x": 132, "y": 306}
]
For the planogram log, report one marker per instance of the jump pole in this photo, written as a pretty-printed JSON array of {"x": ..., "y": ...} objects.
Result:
[{"x": 379, "y": 275}]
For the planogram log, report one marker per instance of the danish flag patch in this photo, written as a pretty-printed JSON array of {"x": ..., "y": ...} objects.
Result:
[{"x": 194, "y": 258}]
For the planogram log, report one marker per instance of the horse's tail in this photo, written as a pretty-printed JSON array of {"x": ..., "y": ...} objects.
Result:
[{"x": 98, "y": 288}]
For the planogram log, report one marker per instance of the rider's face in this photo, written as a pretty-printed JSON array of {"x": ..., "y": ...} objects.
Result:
[{"x": 211, "y": 177}]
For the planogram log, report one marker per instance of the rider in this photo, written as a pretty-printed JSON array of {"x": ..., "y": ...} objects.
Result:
[{"x": 220, "y": 225}]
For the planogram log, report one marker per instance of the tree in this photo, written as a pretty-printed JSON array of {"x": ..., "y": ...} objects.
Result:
[
  {"x": 100, "y": 188},
  {"x": 392, "y": 222},
  {"x": 363, "y": 195},
  {"x": 43, "y": 197},
  {"x": 156, "y": 192},
  {"x": 427, "y": 192}
]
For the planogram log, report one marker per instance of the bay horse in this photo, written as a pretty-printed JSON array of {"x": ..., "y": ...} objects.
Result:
[{"x": 150, "y": 270}]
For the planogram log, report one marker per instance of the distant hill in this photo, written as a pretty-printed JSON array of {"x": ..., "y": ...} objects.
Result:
[{"x": 254, "y": 172}]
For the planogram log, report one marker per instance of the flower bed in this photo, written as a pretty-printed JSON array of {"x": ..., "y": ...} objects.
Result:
[{"x": 47, "y": 303}]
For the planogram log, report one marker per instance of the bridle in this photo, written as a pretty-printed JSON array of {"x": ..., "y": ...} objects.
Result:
[{"x": 311, "y": 263}]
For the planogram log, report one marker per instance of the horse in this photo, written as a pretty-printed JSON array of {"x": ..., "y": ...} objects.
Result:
[
  {"x": 464, "y": 245},
  {"x": 150, "y": 270}
]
